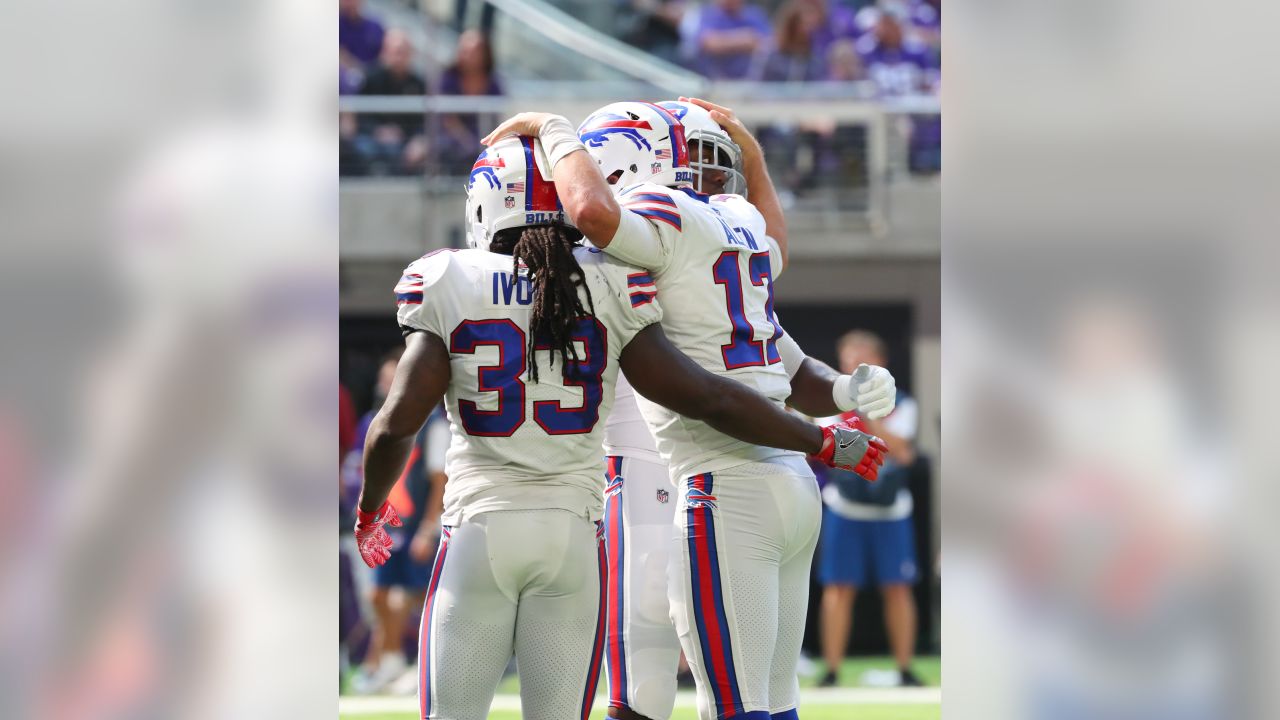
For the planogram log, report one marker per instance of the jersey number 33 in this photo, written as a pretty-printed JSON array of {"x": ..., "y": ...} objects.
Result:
[{"x": 506, "y": 379}]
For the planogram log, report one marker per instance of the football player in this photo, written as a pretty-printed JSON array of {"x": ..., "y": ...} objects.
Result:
[
  {"x": 641, "y": 646},
  {"x": 524, "y": 336},
  {"x": 749, "y": 515}
]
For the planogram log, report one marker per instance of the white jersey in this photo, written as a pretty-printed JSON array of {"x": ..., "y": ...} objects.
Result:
[
  {"x": 626, "y": 432},
  {"x": 517, "y": 444},
  {"x": 712, "y": 265}
]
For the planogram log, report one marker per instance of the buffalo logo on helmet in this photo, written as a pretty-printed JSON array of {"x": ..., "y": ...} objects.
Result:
[
  {"x": 509, "y": 202},
  {"x": 484, "y": 168},
  {"x": 597, "y": 128}
]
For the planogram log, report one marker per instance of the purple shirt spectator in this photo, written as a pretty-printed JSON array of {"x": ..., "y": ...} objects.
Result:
[
  {"x": 358, "y": 34},
  {"x": 728, "y": 35},
  {"x": 897, "y": 65}
]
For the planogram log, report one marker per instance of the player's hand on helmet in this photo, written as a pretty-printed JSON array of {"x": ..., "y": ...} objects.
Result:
[
  {"x": 371, "y": 537},
  {"x": 525, "y": 123},
  {"x": 847, "y": 446},
  {"x": 728, "y": 120},
  {"x": 873, "y": 390}
]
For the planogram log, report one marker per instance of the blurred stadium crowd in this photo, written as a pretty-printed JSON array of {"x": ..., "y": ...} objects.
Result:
[{"x": 873, "y": 49}]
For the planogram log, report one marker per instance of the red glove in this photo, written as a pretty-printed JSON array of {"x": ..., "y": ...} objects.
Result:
[
  {"x": 371, "y": 537},
  {"x": 848, "y": 446}
]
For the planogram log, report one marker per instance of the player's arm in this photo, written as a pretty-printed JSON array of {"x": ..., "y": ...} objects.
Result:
[
  {"x": 760, "y": 190},
  {"x": 421, "y": 380},
  {"x": 663, "y": 374},
  {"x": 584, "y": 193},
  {"x": 422, "y": 377},
  {"x": 820, "y": 391}
]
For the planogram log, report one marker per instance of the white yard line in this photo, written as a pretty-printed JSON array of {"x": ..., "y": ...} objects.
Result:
[{"x": 355, "y": 705}]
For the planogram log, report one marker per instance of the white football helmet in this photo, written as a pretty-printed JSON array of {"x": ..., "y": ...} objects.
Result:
[
  {"x": 510, "y": 186},
  {"x": 637, "y": 142},
  {"x": 700, "y": 130}
]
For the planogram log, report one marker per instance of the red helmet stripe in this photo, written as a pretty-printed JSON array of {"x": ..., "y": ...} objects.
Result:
[
  {"x": 489, "y": 161},
  {"x": 679, "y": 146},
  {"x": 539, "y": 194}
]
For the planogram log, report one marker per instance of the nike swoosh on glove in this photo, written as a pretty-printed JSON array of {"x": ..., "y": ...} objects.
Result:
[
  {"x": 371, "y": 537},
  {"x": 845, "y": 445},
  {"x": 874, "y": 390}
]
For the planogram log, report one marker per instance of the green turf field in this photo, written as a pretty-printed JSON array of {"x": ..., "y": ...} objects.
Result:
[
  {"x": 816, "y": 712},
  {"x": 928, "y": 668}
]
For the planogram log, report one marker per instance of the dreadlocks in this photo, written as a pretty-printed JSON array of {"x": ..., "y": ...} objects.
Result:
[{"x": 547, "y": 250}]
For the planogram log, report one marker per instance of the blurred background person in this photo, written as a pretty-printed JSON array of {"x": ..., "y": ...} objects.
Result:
[
  {"x": 902, "y": 63},
  {"x": 393, "y": 143},
  {"x": 470, "y": 74},
  {"x": 731, "y": 38},
  {"x": 359, "y": 44},
  {"x": 805, "y": 31},
  {"x": 867, "y": 535},
  {"x": 844, "y": 64}
]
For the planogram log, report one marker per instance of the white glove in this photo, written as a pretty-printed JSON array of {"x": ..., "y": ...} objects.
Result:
[{"x": 870, "y": 390}]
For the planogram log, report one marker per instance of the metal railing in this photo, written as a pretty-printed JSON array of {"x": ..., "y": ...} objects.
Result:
[{"x": 831, "y": 159}]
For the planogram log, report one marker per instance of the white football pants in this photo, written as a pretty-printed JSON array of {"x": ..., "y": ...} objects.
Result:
[
  {"x": 522, "y": 581},
  {"x": 642, "y": 648},
  {"x": 739, "y": 584}
]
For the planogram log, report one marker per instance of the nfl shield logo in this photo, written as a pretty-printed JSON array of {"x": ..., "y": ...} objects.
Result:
[
  {"x": 509, "y": 201},
  {"x": 655, "y": 168},
  {"x": 663, "y": 496}
]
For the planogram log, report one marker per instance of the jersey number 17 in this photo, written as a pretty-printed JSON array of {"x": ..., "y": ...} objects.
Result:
[{"x": 743, "y": 349}]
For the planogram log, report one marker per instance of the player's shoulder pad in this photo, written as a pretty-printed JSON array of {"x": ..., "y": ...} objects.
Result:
[
  {"x": 631, "y": 285},
  {"x": 653, "y": 202},
  {"x": 435, "y": 270}
]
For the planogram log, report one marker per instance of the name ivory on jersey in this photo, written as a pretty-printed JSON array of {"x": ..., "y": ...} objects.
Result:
[{"x": 508, "y": 288}]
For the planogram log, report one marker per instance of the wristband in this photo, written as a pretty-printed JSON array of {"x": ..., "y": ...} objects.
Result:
[
  {"x": 558, "y": 139},
  {"x": 840, "y": 393}
]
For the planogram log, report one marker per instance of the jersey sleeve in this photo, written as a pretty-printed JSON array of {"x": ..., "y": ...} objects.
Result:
[
  {"x": 422, "y": 293},
  {"x": 648, "y": 229},
  {"x": 641, "y": 309},
  {"x": 632, "y": 304}
]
